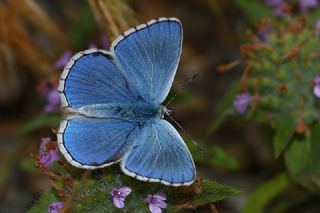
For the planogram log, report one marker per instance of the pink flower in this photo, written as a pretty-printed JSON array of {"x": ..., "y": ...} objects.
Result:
[
  {"x": 104, "y": 43},
  {"x": 53, "y": 100},
  {"x": 277, "y": 7},
  {"x": 48, "y": 155},
  {"x": 272, "y": 3},
  {"x": 316, "y": 86},
  {"x": 119, "y": 196},
  {"x": 305, "y": 5},
  {"x": 43, "y": 145},
  {"x": 49, "y": 158},
  {"x": 55, "y": 207},
  {"x": 241, "y": 102},
  {"x": 156, "y": 202},
  {"x": 63, "y": 60},
  {"x": 50, "y": 92},
  {"x": 318, "y": 27}
]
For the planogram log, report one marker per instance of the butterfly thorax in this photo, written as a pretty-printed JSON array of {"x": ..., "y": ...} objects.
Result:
[
  {"x": 138, "y": 111},
  {"x": 162, "y": 111}
]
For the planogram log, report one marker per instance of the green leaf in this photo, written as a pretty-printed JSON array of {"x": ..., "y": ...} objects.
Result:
[
  {"x": 42, "y": 120},
  {"x": 213, "y": 156},
  {"x": 42, "y": 205},
  {"x": 254, "y": 10},
  {"x": 225, "y": 109},
  {"x": 285, "y": 128},
  {"x": 95, "y": 193},
  {"x": 223, "y": 159},
  {"x": 27, "y": 164},
  {"x": 302, "y": 159},
  {"x": 291, "y": 201},
  {"x": 213, "y": 191},
  {"x": 265, "y": 193},
  {"x": 83, "y": 28}
]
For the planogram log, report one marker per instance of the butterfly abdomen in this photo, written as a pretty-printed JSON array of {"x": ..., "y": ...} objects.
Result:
[{"x": 126, "y": 111}]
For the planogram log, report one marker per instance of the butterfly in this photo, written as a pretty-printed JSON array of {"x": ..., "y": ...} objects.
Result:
[{"x": 113, "y": 104}]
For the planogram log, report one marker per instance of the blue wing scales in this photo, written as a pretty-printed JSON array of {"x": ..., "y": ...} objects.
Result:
[
  {"x": 142, "y": 65},
  {"x": 91, "y": 77},
  {"x": 160, "y": 155},
  {"x": 94, "y": 143},
  {"x": 148, "y": 55}
]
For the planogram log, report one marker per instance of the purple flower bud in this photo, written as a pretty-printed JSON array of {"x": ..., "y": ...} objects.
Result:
[
  {"x": 49, "y": 158},
  {"x": 318, "y": 26},
  {"x": 55, "y": 207},
  {"x": 92, "y": 45},
  {"x": 241, "y": 102},
  {"x": 156, "y": 202},
  {"x": 63, "y": 60},
  {"x": 262, "y": 35},
  {"x": 53, "y": 100},
  {"x": 316, "y": 87},
  {"x": 119, "y": 196},
  {"x": 277, "y": 7},
  {"x": 278, "y": 11},
  {"x": 48, "y": 155},
  {"x": 272, "y": 3},
  {"x": 305, "y": 5},
  {"x": 104, "y": 40},
  {"x": 43, "y": 145}
]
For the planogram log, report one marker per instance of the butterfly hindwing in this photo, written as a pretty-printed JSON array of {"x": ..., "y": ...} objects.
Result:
[
  {"x": 148, "y": 55},
  {"x": 91, "y": 77},
  {"x": 94, "y": 143},
  {"x": 160, "y": 155}
]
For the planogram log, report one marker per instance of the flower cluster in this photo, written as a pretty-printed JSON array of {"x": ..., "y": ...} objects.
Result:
[
  {"x": 156, "y": 201},
  {"x": 243, "y": 100},
  {"x": 278, "y": 6}
]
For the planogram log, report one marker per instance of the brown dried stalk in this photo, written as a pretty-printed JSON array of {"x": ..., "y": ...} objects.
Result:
[
  {"x": 104, "y": 18},
  {"x": 10, "y": 80},
  {"x": 30, "y": 10},
  {"x": 114, "y": 16},
  {"x": 13, "y": 33}
]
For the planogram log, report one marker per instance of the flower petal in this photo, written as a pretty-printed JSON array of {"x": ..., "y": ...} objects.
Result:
[
  {"x": 118, "y": 202},
  {"x": 125, "y": 190},
  {"x": 162, "y": 204},
  {"x": 148, "y": 199},
  {"x": 43, "y": 145},
  {"x": 113, "y": 191},
  {"x": 63, "y": 60},
  {"x": 241, "y": 102},
  {"x": 55, "y": 207},
  {"x": 154, "y": 209},
  {"x": 160, "y": 196},
  {"x": 316, "y": 91}
]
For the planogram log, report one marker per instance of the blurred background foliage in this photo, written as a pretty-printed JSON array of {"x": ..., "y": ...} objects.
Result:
[{"x": 261, "y": 152}]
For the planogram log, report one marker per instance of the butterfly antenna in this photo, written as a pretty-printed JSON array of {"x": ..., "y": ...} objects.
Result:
[
  {"x": 182, "y": 88},
  {"x": 186, "y": 133}
]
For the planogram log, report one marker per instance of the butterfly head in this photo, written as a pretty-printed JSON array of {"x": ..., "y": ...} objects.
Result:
[{"x": 164, "y": 111}]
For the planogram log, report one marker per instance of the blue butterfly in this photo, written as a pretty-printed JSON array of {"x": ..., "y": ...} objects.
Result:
[{"x": 113, "y": 100}]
